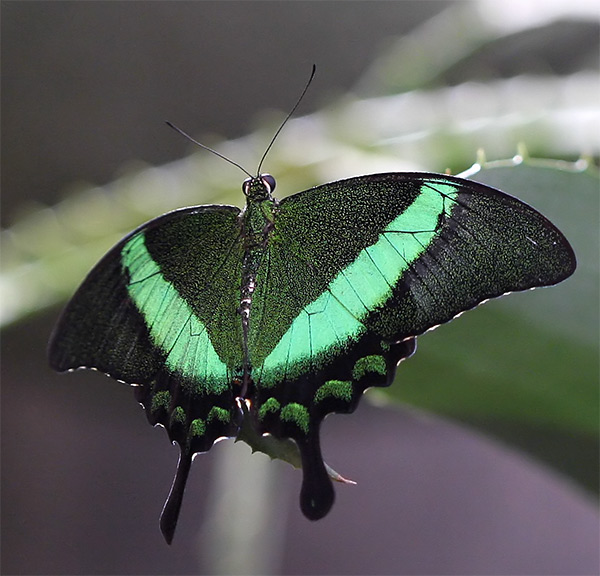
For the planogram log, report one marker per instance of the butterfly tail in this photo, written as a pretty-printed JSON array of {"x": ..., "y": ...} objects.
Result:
[
  {"x": 317, "y": 494},
  {"x": 170, "y": 513}
]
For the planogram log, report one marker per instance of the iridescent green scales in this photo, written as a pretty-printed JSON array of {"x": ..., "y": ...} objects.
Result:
[
  {"x": 177, "y": 416},
  {"x": 337, "y": 389},
  {"x": 171, "y": 322},
  {"x": 271, "y": 406},
  {"x": 289, "y": 310},
  {"x": 296, "y": 414},
  {"x": 197, "y": 429},
  {"x": 160, "y": 401},
  {"x": 367, "y": 365},
  {"x": 218, "y": 414}
]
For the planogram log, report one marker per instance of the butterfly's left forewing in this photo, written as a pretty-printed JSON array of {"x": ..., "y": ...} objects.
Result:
[{"x": 357, "y": 269}]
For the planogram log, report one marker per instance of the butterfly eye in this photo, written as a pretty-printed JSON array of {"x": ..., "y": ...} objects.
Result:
[{"x": 268, "y": 181}]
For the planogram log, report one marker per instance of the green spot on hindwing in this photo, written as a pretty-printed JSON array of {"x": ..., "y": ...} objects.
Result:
[
  {"x": 220, "y": 414},
  {"x": 160, "y": 401},
  {"x": 338, "y": 389},
  {"x": 271, "y": 405},
  {"x": 297, "y": 414},
  {"x": 369, "y": 364},
  {"x": 178, "y": 416},
  {"x": 197, "y": 429}
]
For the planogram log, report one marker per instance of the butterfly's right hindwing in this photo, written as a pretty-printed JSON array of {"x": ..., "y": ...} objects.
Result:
[{"x": 161, "y": 310}]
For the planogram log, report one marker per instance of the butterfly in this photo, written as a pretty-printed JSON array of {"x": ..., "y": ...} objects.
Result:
[{"x": 278, "y": 314}]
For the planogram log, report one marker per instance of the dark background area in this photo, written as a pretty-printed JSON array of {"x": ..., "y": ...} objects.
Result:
[{"x": 86, "y": 88}]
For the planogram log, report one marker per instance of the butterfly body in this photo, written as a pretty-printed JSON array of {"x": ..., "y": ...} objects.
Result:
[{"x": 286, "y": 311}]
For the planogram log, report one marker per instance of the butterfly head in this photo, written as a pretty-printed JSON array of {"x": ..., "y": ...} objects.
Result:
[{"x": 259, "y": 188}]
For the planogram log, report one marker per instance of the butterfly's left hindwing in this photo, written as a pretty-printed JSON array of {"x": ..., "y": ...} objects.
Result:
[{"x": 356, "y": 269}]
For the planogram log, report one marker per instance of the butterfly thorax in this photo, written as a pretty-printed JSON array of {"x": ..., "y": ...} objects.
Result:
[
  {"x": 258, "y": 216},
  {"x": 257, "y": 221}
]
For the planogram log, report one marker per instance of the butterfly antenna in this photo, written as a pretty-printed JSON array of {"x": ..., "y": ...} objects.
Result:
[
  {"x": 312, "y": 75},
  {"x": 207, "y": 148}
]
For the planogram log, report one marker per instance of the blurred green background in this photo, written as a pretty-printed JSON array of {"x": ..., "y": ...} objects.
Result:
[{"x": 399, "y": 86}]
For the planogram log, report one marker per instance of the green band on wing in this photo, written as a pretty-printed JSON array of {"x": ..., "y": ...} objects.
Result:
[
  {"x": 332, "y": 321},
  {"x": 173, "y": 326}
]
